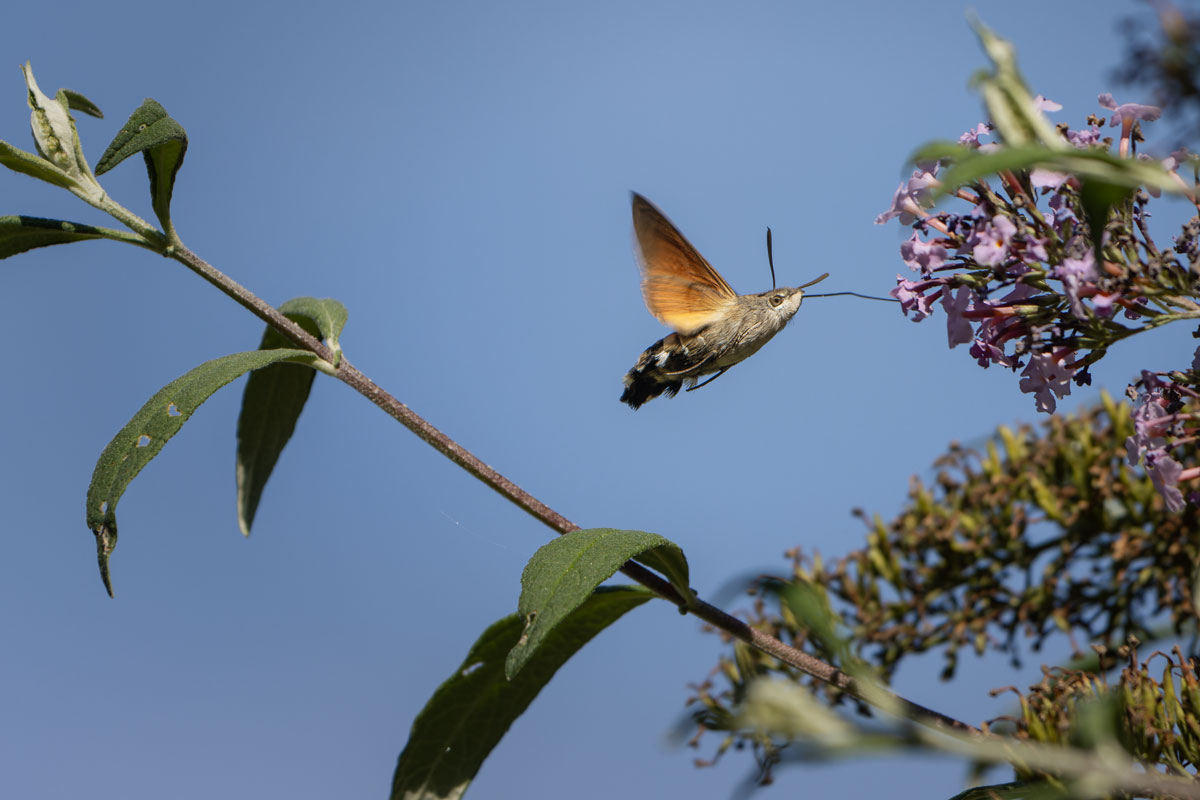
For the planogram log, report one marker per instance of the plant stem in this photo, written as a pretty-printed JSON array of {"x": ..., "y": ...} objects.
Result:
[
  {"x": 351, "y": 376},
  {"x": 244, "y": 297},
  {"x": 735, "y": 627}
]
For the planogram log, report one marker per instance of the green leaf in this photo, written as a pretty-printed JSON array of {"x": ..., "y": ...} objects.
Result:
[
  {"x": 273, "y": 400},
  {"x": 973, "y": 165},
  {"x": 1017, "y": 790},
  {"x": 35, "y": 166},
  {"x": 471, "y": 711},
  {"x": 788, "y": 710},
  {"x": 149, "y": 126},
  {"x": 21, "y": 233},
  {"x": 938, "y": 150},
  {"x": 810, "y": 606},
  {"x": 162, "y": 164},
  {"x": 673, "y": 565},
  {"x": 64, "y": 99},
  {"x": 1098, "y": 198},
  {"x": 1009, "y": 102},
  {"x": 563, "y": 573},
  {"x": 163, "y": 143},
  {"x": 157, "y": 421},
  {"x": 77, "y": 102}
]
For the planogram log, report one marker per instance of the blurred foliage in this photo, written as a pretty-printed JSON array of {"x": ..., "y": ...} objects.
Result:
[
  {"x": 1154, "y": 719},
  {"x": 1042, "y": 532}
]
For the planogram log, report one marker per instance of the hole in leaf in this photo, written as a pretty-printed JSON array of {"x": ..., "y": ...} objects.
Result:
[
  {"x": 469, "y": 669},
  {"x": 104, "y": 507},
  {"x": 143, "y": 440},
  {"x": 173, "y": 410}
]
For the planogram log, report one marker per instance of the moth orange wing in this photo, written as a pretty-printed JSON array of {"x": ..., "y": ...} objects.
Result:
[{"x": 680, "y": 288}]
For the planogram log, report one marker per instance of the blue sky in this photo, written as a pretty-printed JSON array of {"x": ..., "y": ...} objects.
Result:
[{"x": 458, "y": 175}]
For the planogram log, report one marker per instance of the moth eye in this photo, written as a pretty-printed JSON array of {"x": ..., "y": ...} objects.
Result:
[{"x": 776, "y": 299}]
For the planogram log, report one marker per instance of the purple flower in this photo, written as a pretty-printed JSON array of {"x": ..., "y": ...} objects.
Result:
[
  {"x": 1146, "y": 428},
  {"x": 985, "y": 353},
  {"x": 1084, "y": 138},
  {"x": 1172, "y": 162},
  {"x": 971, "y": 137},
  {"x": 1164, "y": 472},
  {"x": 923, "y": 256},
  {"x": 1104, "y": 304},
  {"x": 912, "y": 298},
  {"x": 1076, "y": 274},
  {"x": 1131, "y": 313},
  {"x": 994, "y": 331},
  {"x": 1151, "y": 381},
  {"x": 989, "y": 341},
  {"x": 1031, "y": 251},
  {"x": 1020, "y": 291},
  {"x": 989, "y": 241},
  {"x": 1047, "y": 376},
  {"x": 1127, "y": 112},
  {"x": 909, "y": 197},
  {"x": 1061, "y": 206},
  {"x": 958, "y": 329},
  {"x": 1042, "y": 104},
  {"x": 1046, "y": 178}
]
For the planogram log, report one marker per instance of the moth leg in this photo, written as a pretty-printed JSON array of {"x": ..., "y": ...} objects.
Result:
[
  {"x": 707, "y": 382},
  {"x": 691, "y": 368}
]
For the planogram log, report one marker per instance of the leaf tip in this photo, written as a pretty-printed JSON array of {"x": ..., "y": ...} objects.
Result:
[{"x": 106, "y": 540}]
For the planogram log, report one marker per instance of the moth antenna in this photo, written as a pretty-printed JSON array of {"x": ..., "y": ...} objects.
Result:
[
  {"x": 770, "y": 258},
  {"x": 810, "y": 283}
]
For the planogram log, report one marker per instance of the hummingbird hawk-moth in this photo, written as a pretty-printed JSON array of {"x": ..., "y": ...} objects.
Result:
[{"x": 715, "y": 327}]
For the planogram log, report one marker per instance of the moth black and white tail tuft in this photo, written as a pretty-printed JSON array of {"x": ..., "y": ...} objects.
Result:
[{"x": 662, "y": 368}]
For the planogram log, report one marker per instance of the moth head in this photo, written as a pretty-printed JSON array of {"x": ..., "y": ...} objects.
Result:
[{"x": 782, "y": 303}]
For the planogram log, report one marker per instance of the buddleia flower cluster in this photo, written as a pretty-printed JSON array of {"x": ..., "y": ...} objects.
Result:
[{"x": 1042, "y": 271}]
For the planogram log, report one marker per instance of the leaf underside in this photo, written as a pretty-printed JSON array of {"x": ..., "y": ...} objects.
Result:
[
  {"x": 272, "y": 402},
  {"x": 20, "y": 233}
]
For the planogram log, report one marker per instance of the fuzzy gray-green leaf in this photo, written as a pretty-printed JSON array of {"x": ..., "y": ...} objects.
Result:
[
  {"x": 157, "y": 421},
  {"x": 563, "y": 573},
  {"x": 327, "y": 314},
  {"x": 149, "y": 126},
  {"x": 471, "y": 711},
  {"x": 163, "y": 143},
  {"x": 273, "y": 400},
  {"x": 53, "y": 131}
]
